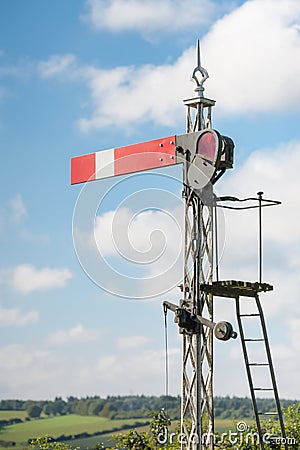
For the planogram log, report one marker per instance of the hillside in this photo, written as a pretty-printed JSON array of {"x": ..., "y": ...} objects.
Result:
[{"x": 129, "y": 407}]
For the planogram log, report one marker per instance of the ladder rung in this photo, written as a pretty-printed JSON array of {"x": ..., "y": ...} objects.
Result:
[
  {"x": 249, "y": 315},
  {"x": 268, "y": 413},
  {"x": 258, "y": 364},
  {"x": 254, "y": 340},
  {"x": 263, "y": 389}
]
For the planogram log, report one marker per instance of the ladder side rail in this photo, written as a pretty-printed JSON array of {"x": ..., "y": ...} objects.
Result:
[
  {"x": 272, "y": 371},
  {"x": 249, "y": 374}
]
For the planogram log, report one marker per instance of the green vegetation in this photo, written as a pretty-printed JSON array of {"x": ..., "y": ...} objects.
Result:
[
  {"x": 133, "y": 406},
  {"x": 37, "y": 419},
  {"x": 237, "y": 438},
  {"x": 11, "y": 414},
  {"x": 65, "y": 427},
  {"x": 160, "y": 436}
]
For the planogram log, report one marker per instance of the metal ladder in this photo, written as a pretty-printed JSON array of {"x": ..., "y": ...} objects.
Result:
[
  {"x": 268, "y": 364},
  {"x": 235, "y": 290}
]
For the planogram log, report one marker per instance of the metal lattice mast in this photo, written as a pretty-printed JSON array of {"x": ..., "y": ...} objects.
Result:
[{"x": 197, "y": 362}]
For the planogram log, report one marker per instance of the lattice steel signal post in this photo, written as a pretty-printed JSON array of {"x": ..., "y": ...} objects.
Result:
[{"x": 205, "y": 155}]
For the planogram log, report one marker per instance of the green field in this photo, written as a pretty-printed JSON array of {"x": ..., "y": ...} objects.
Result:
[
  {"x": 7, "y": 415},
  {"x": 57, "y": 426},
  {"x": 73, "y": 424}
]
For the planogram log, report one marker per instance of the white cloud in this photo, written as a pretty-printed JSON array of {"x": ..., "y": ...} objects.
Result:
[
  {"x": 56, "y": 65},
  {"x": 257, "y": 71},
  {"x": 128, "y": 95},
  {"x": 15, "y": 357},
  {"x": 40, "y": 238},
  {"x": 41, "y": 369},
  {"x": 131, "y": 342},
  {"x": 25, "y": 278},
  {"x": 139, "y": 237},
  {"x": 20, "y": 69},
  {"x": 144, "y": 371},
  {"x": 12, "y": 212},
  {"x": 293, "y": 324},
  {"x": 50, "y": 374},
  {"x": 230, "y": 373},
  {"x": 251, "y": 57},
  {"x": 286, "y": 357},
  {"x": 273, "y": 171},
  {"x": 165, "y": 16},
  {"x": 12, "y": 215},
  {"x": 18, "y": 208},
  {"x": 103, "y": 230},
  {"x": 136, "y": 253},
  {"x": 14, "y": 317},
  {"x": 10, "y": 71},
  {"x": 77, "y": 334}
]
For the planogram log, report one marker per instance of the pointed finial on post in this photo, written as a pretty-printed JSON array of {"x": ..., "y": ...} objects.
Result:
[
  {"x": 198, "y": 54},
  {"x": 201, "y": 118},
  {"x": 199, "y": 70}
]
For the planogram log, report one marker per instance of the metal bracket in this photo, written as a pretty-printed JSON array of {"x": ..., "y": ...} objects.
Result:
[{"x": 189, "y": 323}]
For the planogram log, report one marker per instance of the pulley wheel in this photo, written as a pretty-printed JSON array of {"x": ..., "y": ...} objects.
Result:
[{"x": 223, "y": 330}]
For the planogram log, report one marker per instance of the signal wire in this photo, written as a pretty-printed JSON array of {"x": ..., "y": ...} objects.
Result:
[
  {"x": 166, "y": 360},
  {"x": 216, "y": 242}
]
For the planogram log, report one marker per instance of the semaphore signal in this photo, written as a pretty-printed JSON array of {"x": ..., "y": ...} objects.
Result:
[{"x": 205, "y": 155}]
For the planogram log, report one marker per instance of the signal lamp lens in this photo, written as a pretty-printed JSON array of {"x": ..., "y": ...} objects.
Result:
[{"x": 207, "y": 146}]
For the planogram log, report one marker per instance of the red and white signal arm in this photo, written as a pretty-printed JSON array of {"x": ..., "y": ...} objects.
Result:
[
  {"x": 204, "y": 147},
  {"x": 124, "y": 160}
]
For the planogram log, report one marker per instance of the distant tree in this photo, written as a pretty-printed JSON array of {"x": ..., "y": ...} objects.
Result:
[
  {"x": 71, "y": 404},
  {"x": 95, "y": 407},
  {"x": 16, "y": 405},
  {"x": 109, "y": 410},
  {"x": 60, "y": 406},
  {"x": 49, "y": 409},
  {"x": 34, "y": 410},
  {"x": 81, "y": 407}
]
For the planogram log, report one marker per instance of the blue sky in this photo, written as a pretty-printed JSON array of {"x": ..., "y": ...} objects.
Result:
[{"x": 84, "y": 75}]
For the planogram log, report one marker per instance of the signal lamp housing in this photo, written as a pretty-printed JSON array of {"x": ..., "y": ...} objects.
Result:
[
  {"x": 215, "y": 149},
  {"x": 209, "y": 155}
]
